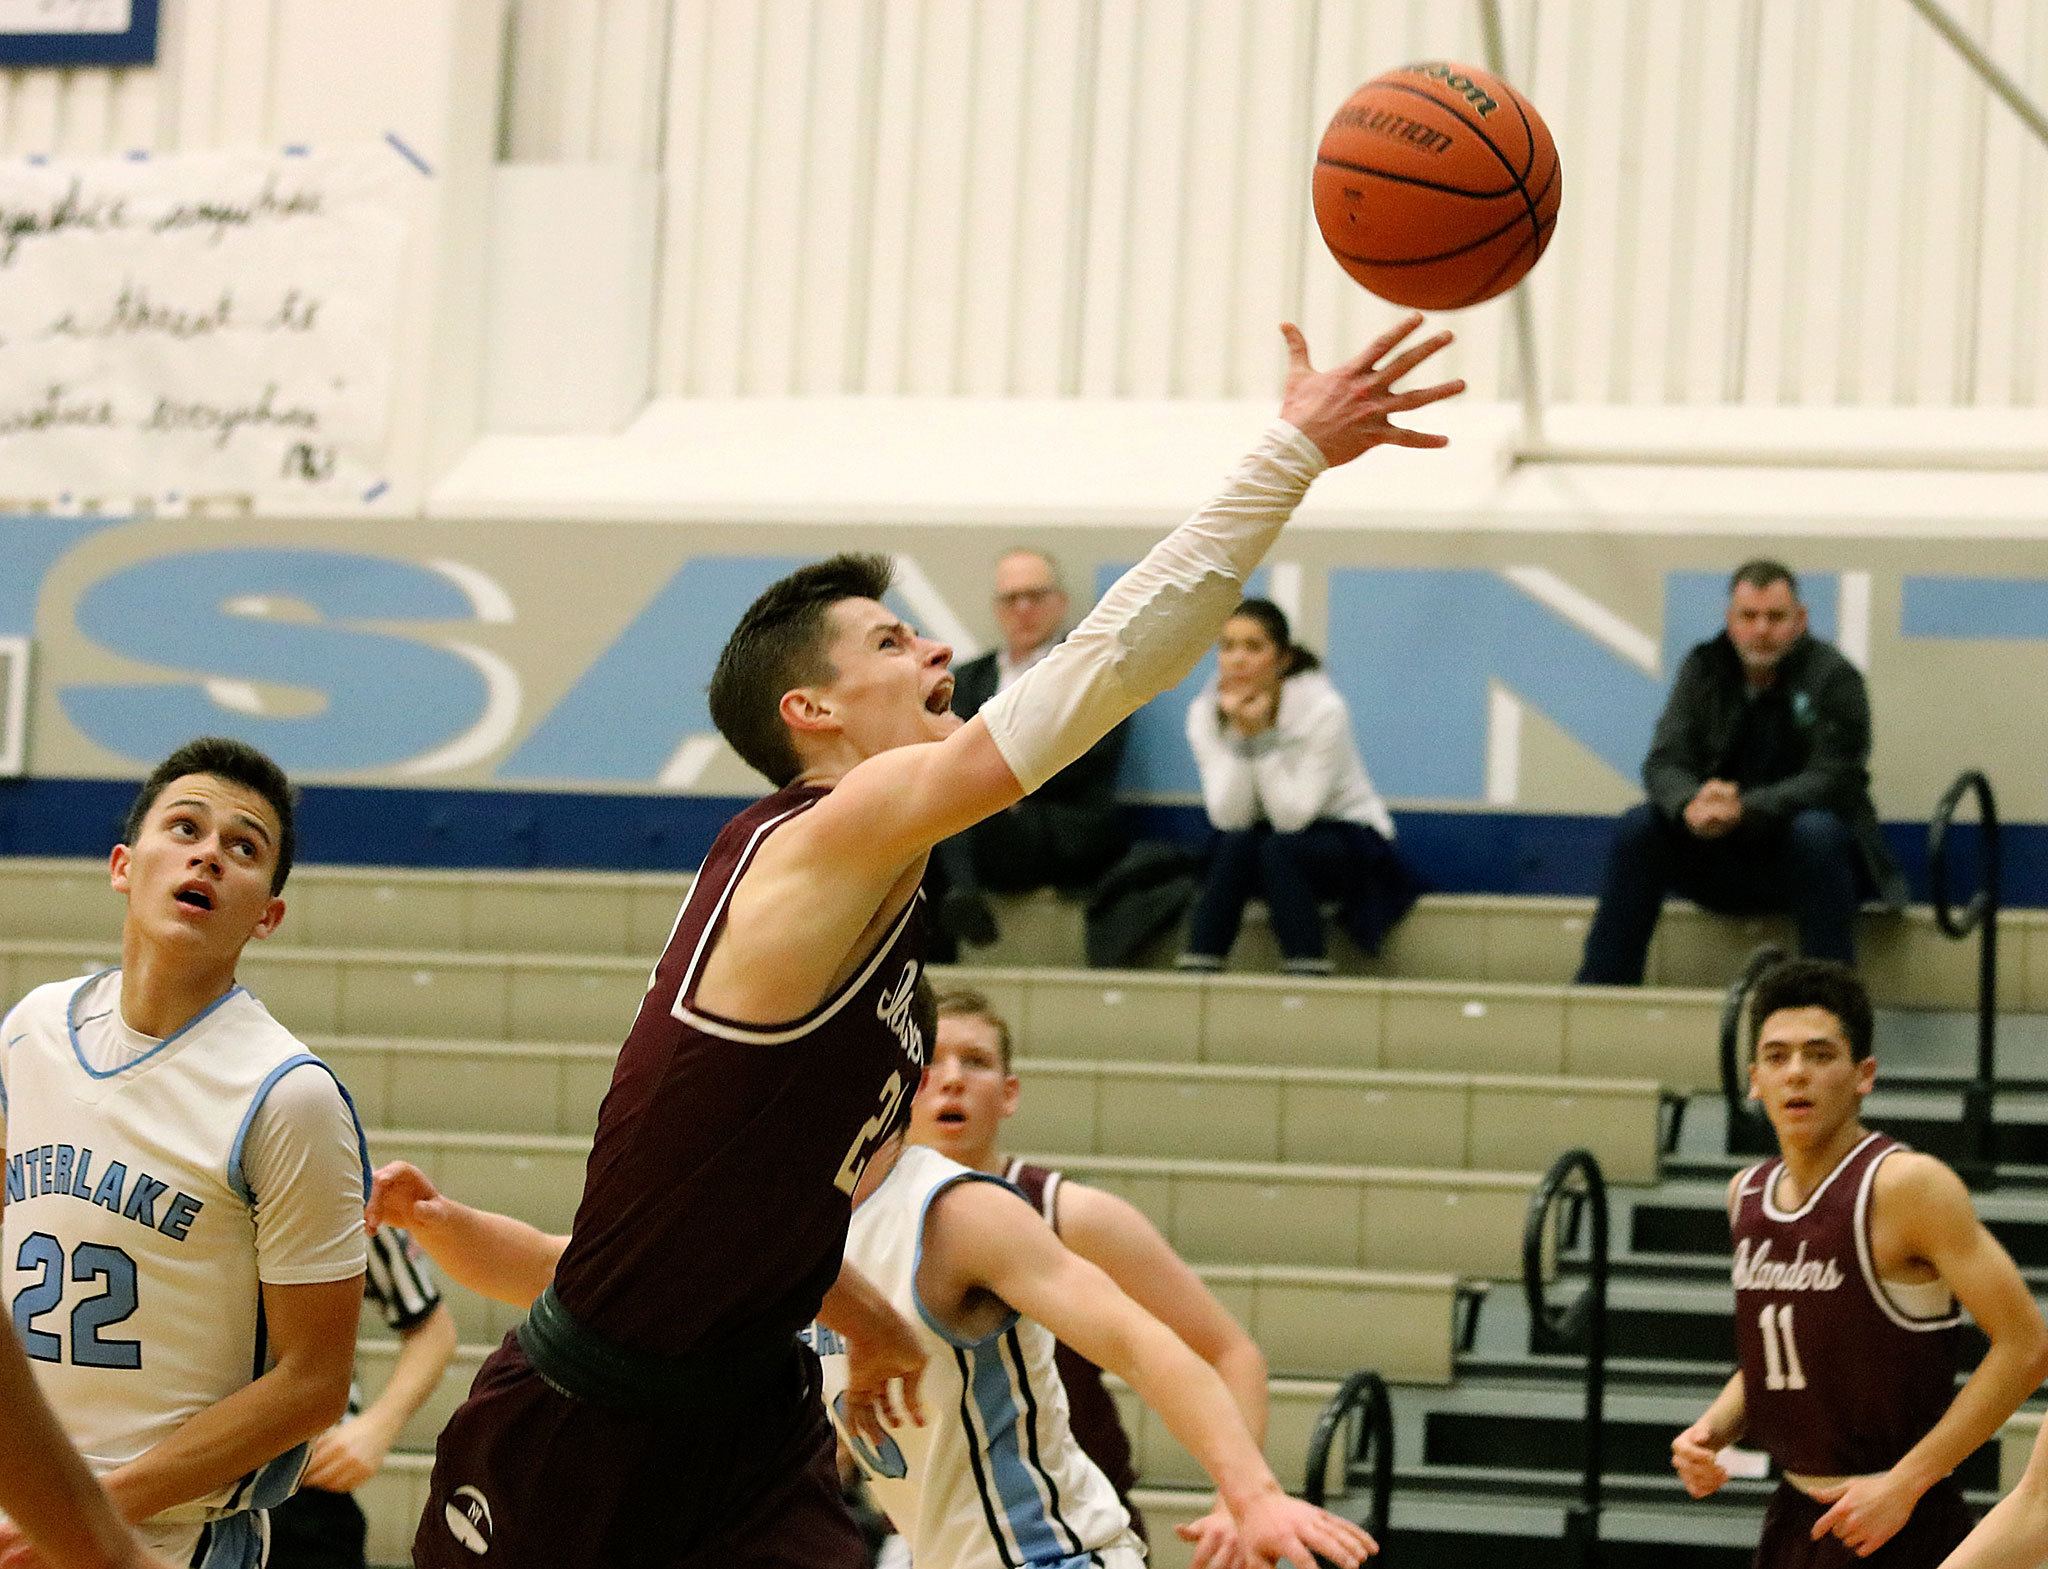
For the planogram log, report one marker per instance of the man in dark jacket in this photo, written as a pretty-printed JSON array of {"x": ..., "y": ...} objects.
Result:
[
  {"x": 1070, "y": 832},
  {"x": 1759, "y": 790}
]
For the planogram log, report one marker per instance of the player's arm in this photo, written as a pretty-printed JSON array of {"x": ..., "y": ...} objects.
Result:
[
  {"x": 1926, "y": 1206},
  {"x": 1696, "y": 1452},
  {"x": 983, "y": 1237},
  {"x": 883, "y": 1354},
  {"x": 46, "y": 1490},
  {"x": 348, "y": 1455},
  {"x": 493, "y": 1255},
  {"x": 2015, "y": 1534},
  {"x": 1143, "y": 637},
  {"x": 312, "y": 1335},
  {"x": 301, "y": 1165},
  {"x": 1114, "y": 1235}
]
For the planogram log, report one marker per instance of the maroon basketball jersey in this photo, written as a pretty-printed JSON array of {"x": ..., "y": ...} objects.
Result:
[
  {"x": 720, "y": 1182},
  {"x": 1841, "y": 1374},
  {"x": 1090, "y": 1406}
]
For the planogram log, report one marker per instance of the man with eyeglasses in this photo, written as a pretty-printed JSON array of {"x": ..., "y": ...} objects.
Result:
[{"x": 1070, "y": 832}]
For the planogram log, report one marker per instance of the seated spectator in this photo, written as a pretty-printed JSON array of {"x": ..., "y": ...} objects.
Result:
[
  {"x": 1759, "y": 790},
  {"x": 1070, "y": 831},
  {"x": 1296, "y": 817}
]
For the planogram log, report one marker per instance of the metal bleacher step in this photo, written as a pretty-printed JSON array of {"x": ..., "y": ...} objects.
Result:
[
  {"x": 1481, "y": 936},
  {"x": 1132, "y": 1016},
  {"x": 1321, "y": 1115}
]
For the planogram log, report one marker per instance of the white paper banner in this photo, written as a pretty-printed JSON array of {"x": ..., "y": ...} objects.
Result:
[{"x": 200, "y": 324}]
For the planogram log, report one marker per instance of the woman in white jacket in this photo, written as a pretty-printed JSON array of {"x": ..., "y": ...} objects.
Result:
[{"x": 1296, "y": 817}]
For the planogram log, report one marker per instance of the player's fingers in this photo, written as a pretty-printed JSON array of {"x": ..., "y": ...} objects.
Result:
[
  {"x": 1383, "y": 345},
  {"x": 1402, "y": 436},
  {"x": 911, "y": 1402},
  {"x": 1297, "y": 351},
  {"x": 1344, "y": 1534},
  {"x": 1401, "y": 402},
  {"x": 1408, "y": 359},
  {"x": 1828, "y": 1522}
]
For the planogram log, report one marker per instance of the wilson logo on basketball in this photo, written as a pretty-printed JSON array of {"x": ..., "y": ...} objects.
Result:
[
  {"x": 1383, "y": 123},
  {"x": 468, "y": 1516},
  {"x": 1458, "y": 82}
]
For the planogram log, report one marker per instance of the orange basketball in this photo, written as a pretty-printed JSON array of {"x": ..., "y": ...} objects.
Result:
[{"x": 1437, "y": 186}]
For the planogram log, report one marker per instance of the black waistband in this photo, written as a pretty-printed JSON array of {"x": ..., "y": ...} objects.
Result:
[{"x": 578, "y": 1362}]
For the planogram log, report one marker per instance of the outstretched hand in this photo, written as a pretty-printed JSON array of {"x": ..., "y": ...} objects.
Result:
[{"x": 1345, "y": 410}]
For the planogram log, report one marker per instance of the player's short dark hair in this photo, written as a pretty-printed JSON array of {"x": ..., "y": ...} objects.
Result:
[
  {"x": 780, "y": 644},
  {"x": 1762, "y": 573},
  {"x": 239, "y": 764},
  {"x": 1813, "y": 983},
  {"x": 963, "y": 1002}
]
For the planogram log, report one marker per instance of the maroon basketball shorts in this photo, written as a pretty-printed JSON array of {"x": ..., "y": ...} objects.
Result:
[
  {"x": 1933, "y": 1531},
  {"x": 527, "y": 1478}
]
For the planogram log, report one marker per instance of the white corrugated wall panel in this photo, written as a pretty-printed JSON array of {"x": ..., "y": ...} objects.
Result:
[
  {"x": 773, "y": 207},
  {"x": 684, "y": 155},
  {"x": 991, "y": 204},
  {"x": 1773, "y": 262},
  {"x": 1112, "y": 161},
  {"x": 832, "y": 192},
  {"x": 1108, "y": 198},
  {"x": 1059, "y": 129}
]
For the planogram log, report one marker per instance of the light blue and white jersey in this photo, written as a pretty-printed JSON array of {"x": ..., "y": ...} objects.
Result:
[
  {"x": 136, "y": 1239},
  {"x": 994, "y": 1479}
]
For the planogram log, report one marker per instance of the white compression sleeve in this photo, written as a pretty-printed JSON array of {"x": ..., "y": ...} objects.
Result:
[{"x": 1158, "y": 619}]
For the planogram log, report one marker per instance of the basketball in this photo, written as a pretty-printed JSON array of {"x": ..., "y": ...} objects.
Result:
[{"x": 1437, "y": 186}]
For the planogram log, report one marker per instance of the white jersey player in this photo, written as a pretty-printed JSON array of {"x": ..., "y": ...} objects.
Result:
[
  {"x": 992, "y": 1476},
  {"x": 182, "y": 1247},
  {"x": 995, "y": 1476}
]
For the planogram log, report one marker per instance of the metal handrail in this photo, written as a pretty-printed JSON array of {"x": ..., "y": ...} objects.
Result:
[
  {"x": 1980, "y": 915},
  {"x": 1747, "y": 1133},
  {"x": 1360, "y": 1406},
  {"x": 1583, "y": 1324}
]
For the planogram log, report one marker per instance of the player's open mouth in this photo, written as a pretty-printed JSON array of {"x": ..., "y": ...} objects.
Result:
[
  {"x": 952, "y": 1119},
  {"x": 940, "y": 698},
  {"x": 195, "y": 898}
]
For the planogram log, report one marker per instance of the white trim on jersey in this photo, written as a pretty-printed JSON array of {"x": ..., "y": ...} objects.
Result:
[
  {"x": 1771, "y": 1183},
  {"x": 718, "y": 906},
  {"x": 931, "y": 1319},
  {"x": 1880, "y": 1292},
  {"x": 753, "y": 1035}
]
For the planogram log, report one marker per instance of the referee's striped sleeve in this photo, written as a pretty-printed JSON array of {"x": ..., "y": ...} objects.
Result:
[{"x": 400, "y": 1280}]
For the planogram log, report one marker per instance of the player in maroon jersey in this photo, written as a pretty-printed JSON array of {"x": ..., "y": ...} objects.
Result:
[
  {"x": 967, "y": 1093},
  {"x": 655, "y": 1406},
  {"x": 1854, "y": 1260}
]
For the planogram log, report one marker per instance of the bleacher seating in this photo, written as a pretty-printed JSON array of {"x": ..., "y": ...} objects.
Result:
[{"x": 1347, "y": 1161}]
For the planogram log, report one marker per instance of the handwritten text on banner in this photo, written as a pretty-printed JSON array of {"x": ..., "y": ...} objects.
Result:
[{"x": 198, "y": 324}]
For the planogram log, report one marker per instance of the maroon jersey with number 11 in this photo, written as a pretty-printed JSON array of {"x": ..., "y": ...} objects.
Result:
[{"x": 1842, "y": 1373}]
